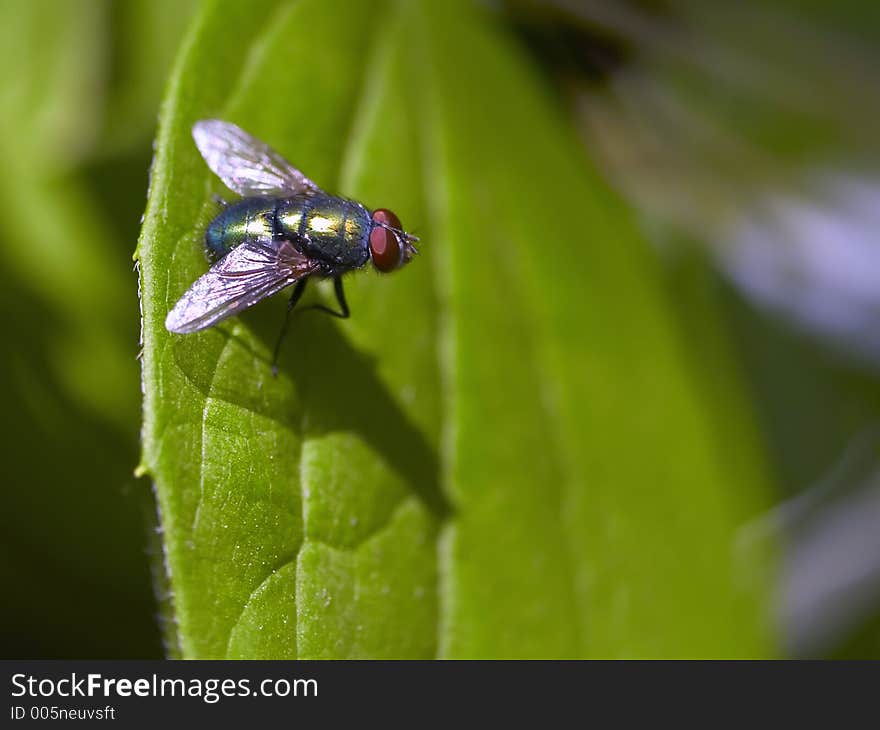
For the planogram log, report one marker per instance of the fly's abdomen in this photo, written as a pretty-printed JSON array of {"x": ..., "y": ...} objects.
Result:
[
  {"x": 247, "y": 220},
  {"x": 334, "y": 230}
]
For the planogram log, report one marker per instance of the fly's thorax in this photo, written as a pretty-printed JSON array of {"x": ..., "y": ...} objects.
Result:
[
  {"x": 248, "y": 219},
  {"x": 334, "y": 230}
]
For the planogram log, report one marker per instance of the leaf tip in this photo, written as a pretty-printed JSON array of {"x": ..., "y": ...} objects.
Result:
[{"x": 141, "y": 470}]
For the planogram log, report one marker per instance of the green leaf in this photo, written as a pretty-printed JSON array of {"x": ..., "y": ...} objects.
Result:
[{"x": 506, "y": 450}]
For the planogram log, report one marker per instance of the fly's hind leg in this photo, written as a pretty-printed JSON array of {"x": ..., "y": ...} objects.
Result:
[{"x": 295, "y": 296}]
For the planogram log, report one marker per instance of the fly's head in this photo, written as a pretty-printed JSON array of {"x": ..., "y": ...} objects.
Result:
[{"x": 390, "y": 246}]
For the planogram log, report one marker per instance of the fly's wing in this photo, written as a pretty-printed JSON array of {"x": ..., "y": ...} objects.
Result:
[
  {"x": 246, "y": 165},
  {"x": 246, "y": 275}
]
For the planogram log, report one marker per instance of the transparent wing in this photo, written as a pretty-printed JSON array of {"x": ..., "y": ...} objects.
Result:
[
  {"x": 246, "y": 275},
  {"x": 246, "y": 165}
]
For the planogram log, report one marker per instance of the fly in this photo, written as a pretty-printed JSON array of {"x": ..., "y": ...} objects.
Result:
[{"x": 283, "y": 231}]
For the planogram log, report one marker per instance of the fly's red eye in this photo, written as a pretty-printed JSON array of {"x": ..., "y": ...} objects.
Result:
[
  {"x": 383, "y": 215},
  {"x": 385, "y": 248},
  {"x": 385, "y": 245}
]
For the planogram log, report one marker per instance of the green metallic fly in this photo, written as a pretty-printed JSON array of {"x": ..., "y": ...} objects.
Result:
[{"x": 284, "y": 231}]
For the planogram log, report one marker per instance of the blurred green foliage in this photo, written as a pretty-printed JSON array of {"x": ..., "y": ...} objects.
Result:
[{"x": 78, "y": 95}]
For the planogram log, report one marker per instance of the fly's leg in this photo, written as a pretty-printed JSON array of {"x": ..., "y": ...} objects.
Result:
[
  {"x": 343, "y": 312},
  {"x": 295, "y": 296}
]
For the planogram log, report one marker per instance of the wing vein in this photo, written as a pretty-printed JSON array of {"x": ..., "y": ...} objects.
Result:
[{"x": 228, "y": 288}]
